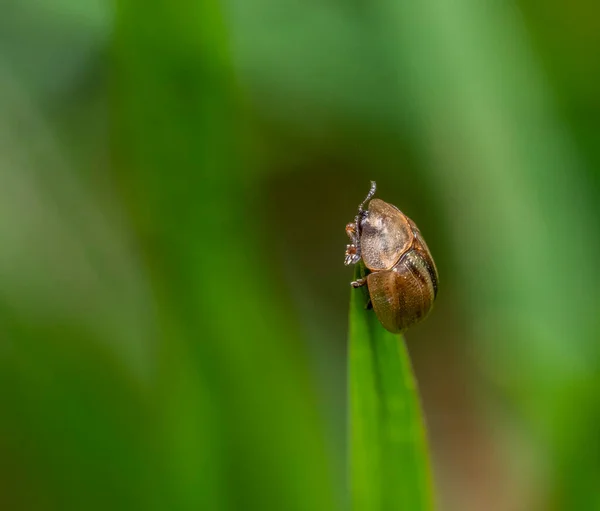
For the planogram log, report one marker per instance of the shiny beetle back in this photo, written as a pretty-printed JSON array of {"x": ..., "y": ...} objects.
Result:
[{"x": 385, "y": 236}]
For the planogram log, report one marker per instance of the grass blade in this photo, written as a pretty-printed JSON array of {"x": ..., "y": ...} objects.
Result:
[{"x": 389, "y": 466}]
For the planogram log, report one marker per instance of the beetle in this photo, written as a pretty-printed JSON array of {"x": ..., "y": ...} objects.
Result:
[{"x": 400, "y": 274}]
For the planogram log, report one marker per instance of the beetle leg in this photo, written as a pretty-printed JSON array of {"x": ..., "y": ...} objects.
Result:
[
  {"x": 351, "y": 232},
  {"x": 369, "y": 305},
  {"x": 358, "y": 283},
  {"x": 352, "y": 250},
  {"x": 352, "y": 255}
]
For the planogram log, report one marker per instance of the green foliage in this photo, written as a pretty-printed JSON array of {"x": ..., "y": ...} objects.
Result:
[
  {"x": 174, "y": 181},
  {"x": 177, "y": 144},
  {"x": 389, "y": 465},
  {"x": 144, "y": 365}
]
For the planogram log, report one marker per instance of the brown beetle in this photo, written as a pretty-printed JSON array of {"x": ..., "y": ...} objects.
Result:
[{"x": 402, "y": 278}]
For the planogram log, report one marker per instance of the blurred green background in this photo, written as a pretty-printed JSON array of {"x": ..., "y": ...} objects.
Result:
[{"x": 175, "y": 178}]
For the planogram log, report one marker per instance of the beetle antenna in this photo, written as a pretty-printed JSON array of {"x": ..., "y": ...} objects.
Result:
[
  {"x": 368, "y": 197},
  {"x": 358, "y": 220}
]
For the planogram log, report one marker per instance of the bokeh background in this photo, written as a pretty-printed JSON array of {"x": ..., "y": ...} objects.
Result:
[{"x": 175, "y": 178}]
